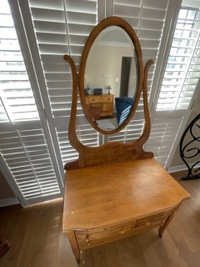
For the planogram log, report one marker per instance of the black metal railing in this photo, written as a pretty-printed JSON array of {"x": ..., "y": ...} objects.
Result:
[{"x": 190, "y": 149}]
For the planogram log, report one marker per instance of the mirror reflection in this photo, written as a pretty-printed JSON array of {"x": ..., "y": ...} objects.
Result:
[{"x": 110, "y": 79}]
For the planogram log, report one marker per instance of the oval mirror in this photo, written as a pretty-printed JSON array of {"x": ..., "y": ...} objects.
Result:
[{"x": 110, "y": 84}]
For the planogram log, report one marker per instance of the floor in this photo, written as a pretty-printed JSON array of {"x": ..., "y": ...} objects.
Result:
[
  {"x": 107, "y": 124},
  {"x": 37, "y": 241}
]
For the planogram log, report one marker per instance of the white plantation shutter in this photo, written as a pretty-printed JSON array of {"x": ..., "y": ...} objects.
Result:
[
  {"x": 147, "y": 19},
  {"x": 15, "y": 89},
  {"x": 163, "y": 134},
  {"x": 87, "y": 135},
  {"x": 67, "y": 152},
  {"x": 178, "y": 87},
  {"x": 130, "y": 133},
  {"x": 63, "y": 29},
  {"x": 25, "y": 151},
  {"x": 3, "y": 114},
  {"x": 182, "y": 72}
]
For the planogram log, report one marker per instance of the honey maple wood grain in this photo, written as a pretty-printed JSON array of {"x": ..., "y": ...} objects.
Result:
[
  {"x": 110, "y": 202},
  {"x": 99, "y": 196},
  {"x": 112, "y": 151}
]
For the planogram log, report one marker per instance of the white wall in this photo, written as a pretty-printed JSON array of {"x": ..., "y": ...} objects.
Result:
[{"x": 106, "y": 61}]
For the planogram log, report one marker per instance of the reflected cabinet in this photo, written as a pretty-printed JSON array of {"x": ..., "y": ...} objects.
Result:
[
  {"x": 100, "y": 106},
  {"x": 116, "y": 189}
]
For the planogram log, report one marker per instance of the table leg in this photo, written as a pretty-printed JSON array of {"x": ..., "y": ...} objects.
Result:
[
  {"x": 164, "y": 226},
  {"x": 74, "y": 245}
]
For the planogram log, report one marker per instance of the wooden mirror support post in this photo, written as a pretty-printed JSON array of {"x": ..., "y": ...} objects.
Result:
[
  {"x": 112, "y": 151},
  {"x": 117, "y": 189}
]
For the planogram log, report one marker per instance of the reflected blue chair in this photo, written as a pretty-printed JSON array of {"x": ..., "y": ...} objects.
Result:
[{"x": 123, "y": 107}]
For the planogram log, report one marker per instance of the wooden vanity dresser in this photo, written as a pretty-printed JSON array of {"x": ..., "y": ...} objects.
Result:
[
  {"x": 116, "y": 189},
  {"x": 103, "y": 102},
  {"x": 103, "y": 204}
]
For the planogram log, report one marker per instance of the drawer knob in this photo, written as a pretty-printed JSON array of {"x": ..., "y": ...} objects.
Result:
[
  {"x": 87, "y": 240},
  {"x": 147, "y": 223}
]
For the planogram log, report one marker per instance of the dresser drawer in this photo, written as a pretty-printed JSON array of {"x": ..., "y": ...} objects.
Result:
[
  {"x": 107, "y": 98},
  {"x": 91, "y": 238},
  {"x": 159, "y": 217},
  {"x": 94, "y": 99}
]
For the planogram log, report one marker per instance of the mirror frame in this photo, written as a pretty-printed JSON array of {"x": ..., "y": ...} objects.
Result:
[{"x": 105, "y": 23}]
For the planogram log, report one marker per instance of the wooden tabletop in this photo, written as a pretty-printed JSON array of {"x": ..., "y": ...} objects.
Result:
[{"x": 109, "y": 194}]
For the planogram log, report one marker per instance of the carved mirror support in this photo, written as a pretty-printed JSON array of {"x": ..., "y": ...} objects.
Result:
[{"x": 112, "y": 151}]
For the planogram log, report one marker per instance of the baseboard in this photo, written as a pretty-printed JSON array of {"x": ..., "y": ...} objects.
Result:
[
  {"x": 177, "y": 168},
  {"x": 8, "y": 202}
]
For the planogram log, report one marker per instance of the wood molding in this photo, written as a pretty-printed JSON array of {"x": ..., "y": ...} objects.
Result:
[
  {"x": 177, "y": 168},
  {"x": 8, "y": 202},
  {"x": 72, "y": 122},
  {"x": 112, "y": 151},
  {"x": 147, "y": 120}
]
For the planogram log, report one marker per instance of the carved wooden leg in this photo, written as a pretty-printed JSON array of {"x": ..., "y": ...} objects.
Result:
[
  {"x": 74, "y": 245},
  {"x": 163, "y": 227}
]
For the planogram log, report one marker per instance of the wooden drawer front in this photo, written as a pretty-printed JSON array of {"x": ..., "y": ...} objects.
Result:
[
  {"x": 107, "y": 98},
  {"x": 94, "y": 99},
  {"x": 91, "y": 238},
  {"x": 95, "y": 105},
  {"x": 107, "y": 107},
  {"x": 153, "y": 219}
]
